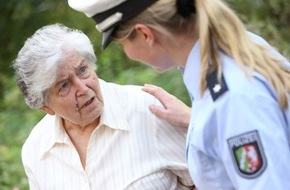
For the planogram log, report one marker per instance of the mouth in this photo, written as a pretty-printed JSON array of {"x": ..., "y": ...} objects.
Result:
[{"x": 88, "y": 102}]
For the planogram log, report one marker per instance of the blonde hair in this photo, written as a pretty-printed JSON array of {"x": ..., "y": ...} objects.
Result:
[{"x": 218, "y": 29}]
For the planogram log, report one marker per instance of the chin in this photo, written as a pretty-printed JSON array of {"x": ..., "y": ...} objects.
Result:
[{"x": 161, "y": 69}]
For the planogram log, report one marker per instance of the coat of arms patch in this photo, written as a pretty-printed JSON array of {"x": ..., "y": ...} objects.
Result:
[{"x": 248, "y": 154}]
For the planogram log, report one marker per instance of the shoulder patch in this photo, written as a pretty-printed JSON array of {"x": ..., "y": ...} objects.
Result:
[
  {"x": 248, "y": 154},
  {"x": 216, "y": 88}
]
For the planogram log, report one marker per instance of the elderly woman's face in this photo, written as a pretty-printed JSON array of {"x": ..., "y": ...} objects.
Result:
[{"x": 76, "y": 95}]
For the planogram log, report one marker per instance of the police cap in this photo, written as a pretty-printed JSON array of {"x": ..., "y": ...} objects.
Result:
[{"x": 108, "y": 14}]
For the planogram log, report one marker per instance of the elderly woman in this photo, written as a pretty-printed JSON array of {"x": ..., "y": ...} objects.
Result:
[{"x": 96, "y": 135}]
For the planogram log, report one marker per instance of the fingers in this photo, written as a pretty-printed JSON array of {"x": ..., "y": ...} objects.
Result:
[
  {"x": 173, "y": 111},
  {"x": 162, "y": 96},
  {"x": 158, "y": 92},
  {"x": 152, "y": 89},
  {"x": 158, "y": 111}
]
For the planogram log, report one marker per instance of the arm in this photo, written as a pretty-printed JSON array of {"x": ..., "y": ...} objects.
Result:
[
  {"x": 261, "y": 122},
  {"x": 33, "y": 185},
  {"x": 27, "y": 159},
  {"x": 173, "y": 111},
  {"x": 170, "y": 142}
]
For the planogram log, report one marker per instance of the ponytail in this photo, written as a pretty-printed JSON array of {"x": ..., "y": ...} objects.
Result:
[{"x": 221, "y": 30}]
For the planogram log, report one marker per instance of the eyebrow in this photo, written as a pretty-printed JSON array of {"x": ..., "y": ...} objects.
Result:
[
  {"x": 80, "y": 64},
  {"x": 59, "y": 82}
]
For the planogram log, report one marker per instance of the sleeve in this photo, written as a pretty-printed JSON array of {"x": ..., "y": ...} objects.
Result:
[
  {"x": 171, "y": 144},
  {"x": 253, "y": 144},
  {"x": 33, "y": 184}
]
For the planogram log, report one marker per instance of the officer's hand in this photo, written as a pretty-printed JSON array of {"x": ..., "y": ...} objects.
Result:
[{"x": 174, "y": 111}]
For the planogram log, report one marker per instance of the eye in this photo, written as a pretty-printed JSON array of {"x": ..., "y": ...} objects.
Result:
[
  {"x": 64, "y": 85},
  {"x": 84, "y": 71},
  {"x": 64, "y": 88}
]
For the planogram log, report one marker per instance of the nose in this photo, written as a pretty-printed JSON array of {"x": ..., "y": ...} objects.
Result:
[{"x": 81, "y": 87}]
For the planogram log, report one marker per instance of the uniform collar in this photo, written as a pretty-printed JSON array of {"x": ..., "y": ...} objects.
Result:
[{"x": 191, "y": 73}]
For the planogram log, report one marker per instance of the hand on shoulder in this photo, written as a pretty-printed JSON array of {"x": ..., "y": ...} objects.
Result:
[{"x": 173, "y": 111}]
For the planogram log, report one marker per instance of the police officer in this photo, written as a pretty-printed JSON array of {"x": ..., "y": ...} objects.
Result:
[{"x": 239, "y": 131}]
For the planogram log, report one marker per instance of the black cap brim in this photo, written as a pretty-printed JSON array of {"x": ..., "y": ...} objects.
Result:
[{"x": 128, "y": 9}]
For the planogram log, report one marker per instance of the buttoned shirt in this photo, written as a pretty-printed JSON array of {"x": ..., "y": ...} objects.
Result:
[
  {"x": 130, "y": 149},
  {"x": 241, "y": 139}
]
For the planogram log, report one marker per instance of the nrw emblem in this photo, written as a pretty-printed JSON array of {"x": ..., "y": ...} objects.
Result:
[{"x": 248, "y": 154}]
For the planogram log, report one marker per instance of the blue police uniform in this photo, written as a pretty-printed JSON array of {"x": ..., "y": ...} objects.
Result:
[{"x": 239, "y": 135}]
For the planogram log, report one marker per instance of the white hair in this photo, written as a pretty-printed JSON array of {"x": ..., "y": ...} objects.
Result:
[{"x": 38, "y": 60}]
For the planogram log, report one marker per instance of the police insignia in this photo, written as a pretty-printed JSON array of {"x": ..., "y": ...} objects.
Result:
[
  {"x": 216, "y": 87},
  {"x": 248, "y": 154}
]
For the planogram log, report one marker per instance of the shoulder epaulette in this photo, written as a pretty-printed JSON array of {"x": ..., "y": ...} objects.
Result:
[{"x": 216, "y": 87}]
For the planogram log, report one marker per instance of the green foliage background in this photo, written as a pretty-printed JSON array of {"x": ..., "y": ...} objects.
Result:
[{"x": 20, "y": 18}]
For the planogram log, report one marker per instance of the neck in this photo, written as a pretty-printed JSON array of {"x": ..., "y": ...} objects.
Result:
[
  {"x": 180, "y": 47},
  {"x": 80, "y": 128},
  {"x": 80, "y": 136}
]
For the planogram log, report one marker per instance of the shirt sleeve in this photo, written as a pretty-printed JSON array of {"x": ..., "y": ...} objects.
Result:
[
  {"x": 252, "y": 141},
  {"x": 171, "y": 143},
  {"x": 33, "y": 185}
]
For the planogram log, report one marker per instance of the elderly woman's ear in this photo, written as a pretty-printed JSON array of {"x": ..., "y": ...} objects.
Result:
[{"x": 47, "y": 110}]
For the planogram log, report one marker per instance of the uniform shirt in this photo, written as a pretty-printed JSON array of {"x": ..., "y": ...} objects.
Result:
[
  {"x": 130, "y": 149},
  {"x": 240, "y": 140}
]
